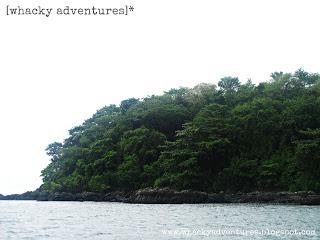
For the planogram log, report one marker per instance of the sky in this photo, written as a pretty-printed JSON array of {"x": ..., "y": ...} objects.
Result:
[{"x": 56, "y": 72}]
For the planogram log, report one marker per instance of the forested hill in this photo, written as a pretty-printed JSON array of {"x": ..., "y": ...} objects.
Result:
[{"x": 228, "y": 137}]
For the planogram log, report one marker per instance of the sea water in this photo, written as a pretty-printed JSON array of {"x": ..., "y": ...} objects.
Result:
[{"x": 103, "y": 220}]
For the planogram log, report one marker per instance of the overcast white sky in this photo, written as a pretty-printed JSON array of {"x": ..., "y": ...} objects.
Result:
[{"x": 56, "y": 72}]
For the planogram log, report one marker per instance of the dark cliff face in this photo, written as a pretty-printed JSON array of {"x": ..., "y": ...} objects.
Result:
[
  {"x": 30, "y": 195},
  {"x": 11, "y": 197},
  {"x": 169, "y": 196}
]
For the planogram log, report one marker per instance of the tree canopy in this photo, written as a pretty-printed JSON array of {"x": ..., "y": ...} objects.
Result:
[{"x": 234, "y": 137}]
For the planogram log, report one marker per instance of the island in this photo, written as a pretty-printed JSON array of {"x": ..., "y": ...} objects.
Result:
[{"x": 231, "y": 143}]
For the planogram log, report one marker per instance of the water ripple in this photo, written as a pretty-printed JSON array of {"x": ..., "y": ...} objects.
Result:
[{"x": 90, "y": 220}]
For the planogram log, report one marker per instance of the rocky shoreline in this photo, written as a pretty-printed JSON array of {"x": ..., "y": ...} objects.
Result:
[{"x": 169, "y": 196}]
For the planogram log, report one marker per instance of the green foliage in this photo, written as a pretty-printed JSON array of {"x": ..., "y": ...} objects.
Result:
[
  {"x": 54, "y": 150},
  {"x": 308, "y": 158},
  {"x": 240, "y": 175},
  {"x": 229, "y": 84},
  {"x": 236, "y": 137},
  {"x": 126, "y": 104},
  {"x": 179, "y": 161},
  {"x": 128, "y": 173}
]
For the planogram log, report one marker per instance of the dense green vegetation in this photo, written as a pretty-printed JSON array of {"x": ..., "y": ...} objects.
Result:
[{"x": 228, "y": 137}]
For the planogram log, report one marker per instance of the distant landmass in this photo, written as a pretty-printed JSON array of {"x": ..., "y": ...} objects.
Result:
[{"x": 231, "y": 139}]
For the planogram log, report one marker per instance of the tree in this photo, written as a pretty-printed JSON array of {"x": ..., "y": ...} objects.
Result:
[
  {"x": 54, "y": 151},
  {"x": 308, "y": 159},
  {"x": 179, "y": 161},
  {"x": 128, "y": 103},
  {"x": 229, "y": 84},
  {"x": 128, "y": 173}
]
